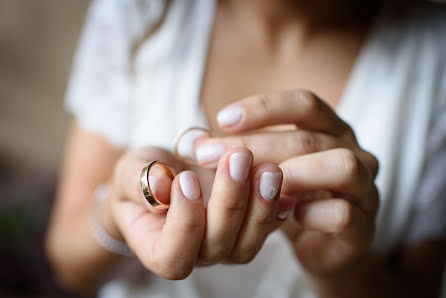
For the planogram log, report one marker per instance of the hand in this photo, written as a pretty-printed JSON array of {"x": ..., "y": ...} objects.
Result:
[
  {"x": 231, "y": 229},
  {"x": 329, "y": 177}
]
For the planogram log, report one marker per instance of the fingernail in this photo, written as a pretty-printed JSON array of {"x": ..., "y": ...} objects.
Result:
[
  {"x": 239, "y": 166},
  {"x": 154, "y": 181},
  {"x": 189, "y": 185},
  {"x": 284, "y": 214},
  {"x": 229, "y": 116},
  {"x": 269, "y": 184},
  {"x": 209, "y": 153}
]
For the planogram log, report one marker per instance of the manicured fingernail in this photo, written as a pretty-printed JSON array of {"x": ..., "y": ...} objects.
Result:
[
  {"x": 229, "y": 116},
  {"x": 284, "y": 214},
  {"x": 154, "y": 181},
  {"x": 269, "y": 184},
  {"x": 189, "y": 185},
  {"x": 239, "y": 166},
  {"x": 209, "y": 153}
]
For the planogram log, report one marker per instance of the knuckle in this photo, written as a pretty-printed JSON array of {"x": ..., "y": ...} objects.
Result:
[
  {"x": 264, "y": 220},
  {"x": 192, "y": 226},
  {"x": 370, "y": 161},
  {"x": 264, "y": 103},
  {"x": 304, "y": 143},
  {"x": 232, "y": 206},
  {"x": 348, "y": 131},
  {"x": 308, "y": 100},
  {"x": 374, "y": 164},
  {"x": 349, "y": 163}
]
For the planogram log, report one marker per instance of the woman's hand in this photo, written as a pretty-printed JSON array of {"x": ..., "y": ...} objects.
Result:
[
  {"x": 329, "y": 177},
  {"x": 242, "y": 210}
]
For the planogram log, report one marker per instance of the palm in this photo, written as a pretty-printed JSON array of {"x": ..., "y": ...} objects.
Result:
[{"x": 142, "y": 227}]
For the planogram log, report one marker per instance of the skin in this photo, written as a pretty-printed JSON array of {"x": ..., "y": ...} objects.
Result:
[
  {"x": 240, "y": 222},
  {"x": 330, "y": 179},
  {"x": 332, "y": 223}
]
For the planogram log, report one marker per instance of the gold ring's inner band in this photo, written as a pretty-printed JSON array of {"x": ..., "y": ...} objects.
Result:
[{"x": 145, "y": 185}]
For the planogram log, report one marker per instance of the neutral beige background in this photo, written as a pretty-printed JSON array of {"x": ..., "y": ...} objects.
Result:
[{"x": 37, "y": 42}]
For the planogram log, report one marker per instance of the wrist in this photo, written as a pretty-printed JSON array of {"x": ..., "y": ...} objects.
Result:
[
  {"x": 107, "y": 218},
  {"x": 102, "y": 224}
]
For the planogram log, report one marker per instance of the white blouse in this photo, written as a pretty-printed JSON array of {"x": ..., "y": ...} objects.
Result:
[{"x": 395, "y": 100}]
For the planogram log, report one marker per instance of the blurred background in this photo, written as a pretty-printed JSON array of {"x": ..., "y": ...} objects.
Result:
[{"x": 37, "y": 42}]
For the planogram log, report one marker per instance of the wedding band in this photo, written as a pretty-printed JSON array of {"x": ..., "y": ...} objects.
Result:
[
  {"x": 189, "y": 161},
  {"x": 145, "y": 185}
]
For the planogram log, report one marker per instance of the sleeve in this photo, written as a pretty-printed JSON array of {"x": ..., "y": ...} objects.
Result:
[
  {"x": 99, "y": 88},
  {"x": 428, "y": 220}
]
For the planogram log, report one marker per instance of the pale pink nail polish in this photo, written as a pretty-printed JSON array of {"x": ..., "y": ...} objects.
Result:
[
  {"x": 269, "y": 184},
  {"x": 239, "y": 166},
  {"x": 189, "y": 185},
  {"x": 284, "y": 214},
  {"x": 207, "y": 153},
  {"x": 154, "y": 181},
  {"x": 229, "y": 116}
]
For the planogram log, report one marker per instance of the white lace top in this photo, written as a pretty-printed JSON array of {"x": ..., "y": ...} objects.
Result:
[{"x": 395, "y": 100}]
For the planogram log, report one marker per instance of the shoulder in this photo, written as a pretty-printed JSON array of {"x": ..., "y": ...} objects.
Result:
[
  {"x": 99, "y": 87},
  {"x": 131, "y": 17}
]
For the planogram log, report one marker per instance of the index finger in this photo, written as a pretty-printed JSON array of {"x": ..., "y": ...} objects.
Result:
[{"x": 299, "y": 107}]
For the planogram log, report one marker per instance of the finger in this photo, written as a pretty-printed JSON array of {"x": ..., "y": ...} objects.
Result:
[
  {"x": 227, "y": 205},
  {"x": 370, "y": 160},
  {"x": 160, "y": 183},
  {"x": 261, "y": 214},
  {"x": 275, "y": 147},
  {"x": 173, "y": 253},
  {"x": 127, "y": 178},
  {"x": 337, "y": 170},
  {"x": 299, "y": 107},
  {"x": 267, "y": 147},
  {"x": 336, "y": 216}
]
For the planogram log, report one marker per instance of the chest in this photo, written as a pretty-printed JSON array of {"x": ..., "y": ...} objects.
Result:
[{"x": 240, "y": 65}]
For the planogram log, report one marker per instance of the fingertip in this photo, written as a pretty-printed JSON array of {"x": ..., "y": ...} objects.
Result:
[
  {"x": 267, "y": 179},
  {"x": 208, "y": 154},
  {"x": 230, "y": 117},
  {"x": 189, "y": 185},
  {"x": 240, "y": 162}
]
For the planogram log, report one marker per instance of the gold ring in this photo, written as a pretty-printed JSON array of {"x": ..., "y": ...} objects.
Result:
[
  {"x": 145, "y": 185},
  {"x": 189, "y": 161}
]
